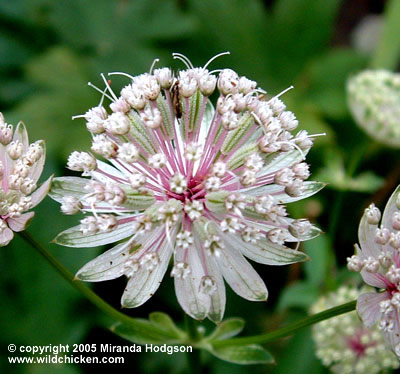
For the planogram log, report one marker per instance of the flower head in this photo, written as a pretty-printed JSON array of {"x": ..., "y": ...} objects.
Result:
[
  {"x": 21, "y": 164},
  {"x": 344, "y": 344},
  {"x": 374, "y": 101},
  {"x": 206, "y": 186},
  {"x": 378, "y": 261}
]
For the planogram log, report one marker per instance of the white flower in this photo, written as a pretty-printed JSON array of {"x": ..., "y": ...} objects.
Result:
[
  {"x": 344, "y": 344},
  {"x": 374, "y": 101},
  {"x": 21, "y": 165},
  {"x": 377, "y": 259},
  {"x": 190, "y": 182}
]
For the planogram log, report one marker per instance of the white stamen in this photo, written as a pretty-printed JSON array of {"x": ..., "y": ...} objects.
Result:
[
  {"x": 184, "y": 59},
  {"x": 153, "y": 64},
  {"x": 214, "y": 58}
]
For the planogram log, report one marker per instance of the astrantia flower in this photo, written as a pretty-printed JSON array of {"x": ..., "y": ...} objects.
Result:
[
  {"x": 378, "y": 261},
  {"x": 21, "y": 164},
  {"x": 206, "y": 186},
  {"x": 374, "y": 101},
  {"x": 344, "y": 344}
]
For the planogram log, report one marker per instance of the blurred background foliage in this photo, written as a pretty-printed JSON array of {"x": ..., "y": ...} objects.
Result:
[{"x": 49, "y": 50}]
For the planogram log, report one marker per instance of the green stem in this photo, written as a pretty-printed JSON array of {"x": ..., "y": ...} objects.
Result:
[
  {"x": 193, "y": 358},
  {"x": 387, "y": 53},
  {"x": 290, "y": 329},
  {"x": 86, "y": 291}
]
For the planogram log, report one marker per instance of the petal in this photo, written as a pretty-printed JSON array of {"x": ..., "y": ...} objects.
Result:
[
  {"x": 280, "y": 160},
  {"x": 194, "y": 303},
  {"x": 366, "y": 236},
  {"x": 269, "y": 253},
  {"x": 240, "y": 275},
  {"x": 41, "y": 192},
  {"x": 217, "y": 298},
  {"x": 5, "y": 237},
  {"x": 20, "y": 223},
  {"x": 21, "y": 134},
  {"x": 368, "y": 306},
  {"x": 37, "y": 168},
  {"x": 393, "y": 337},
  {"x": 144, "y": 283},
  {"x": 68, "y": 186},
  {"x": 108, "y": 174},
  {"x": 109, "y": 265},
  {"x": 75, "y": 186},
  {"x": 73, "y": 237},
  {"x": 206, "y": 122},
  {"x": 390, "y": 209},
  {"x": 373, "y": 279},
  {"x": 279, "y": 194}
]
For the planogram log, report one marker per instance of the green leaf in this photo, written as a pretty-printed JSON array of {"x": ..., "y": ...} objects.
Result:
[
  {"x": 147, "y": 332},
  {"x": 227, "y": 329},
  {"x": 165, "y": 323},
  {"x": 334, "y": 174},
  {"x": 300, "y": 295},
  {"x": 243, "y": 354}
]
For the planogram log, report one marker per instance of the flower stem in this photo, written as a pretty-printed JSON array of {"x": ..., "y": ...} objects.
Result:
[
  {"x": 193, "y": 358},
  {"x": 290, "y": 329},
  {"x": 81, "y": 287}
]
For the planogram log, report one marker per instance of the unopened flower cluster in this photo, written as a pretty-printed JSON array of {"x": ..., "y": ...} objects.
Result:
[
  {"x": 344, "y": 344},
  {"x": 21, "y": 165},
  {"x": 374, "y": 101},
  {"x": 378, "y": 260},
  {"x": 206, "y": 186}
]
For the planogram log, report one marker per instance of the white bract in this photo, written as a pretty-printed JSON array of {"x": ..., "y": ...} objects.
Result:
[
  {"x": 189, "y": 182},
  {"x": 344, "y": 344},
  {"x": 378, "y": 260},
  {"x": 21, "y": 165}
]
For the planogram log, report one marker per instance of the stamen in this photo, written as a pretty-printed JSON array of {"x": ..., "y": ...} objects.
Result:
[
  {"x": 78, "y": 116},
  {"x": 121, "y": 73},
  {"x": 215, "y": 57},
  {"x": 109, "y": 88},
  {"x": 152, "y": 65},
  {"x": 216, "y": 71},
  {"x": 281, "y": 93},
  {"x": 184, "y": 59},
  {"x": 99, "y": 90},
  {"x": 303, "y": 156}
]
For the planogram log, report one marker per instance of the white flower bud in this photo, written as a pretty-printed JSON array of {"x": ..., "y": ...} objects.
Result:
[
  {"x": 228, "y": 82},
  {"x": 6, "y": 133},
  {"x": 207, "y": 285},
  {"x": 81, "y": 161},
  {"x": 128, "y": 153},
  {"x": 373, "y": 214},
  {"x": 164, "y": 77},
  {"x": 70, "y": 205},
  {"x": 137, "y": 180},
  {"x": 180, "y": 270},
  {"x": 207, "y": 84},
  {"x": 152, "y": 118},
  {"x": 15, "y": 149},
  {"x": 157, "y": 160},
  {"x": 178, "y": 183},
  {"x": 117, "y": 124},
  {"x": 134, "y": 96},
  {"x": 120, "y": 105}
]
